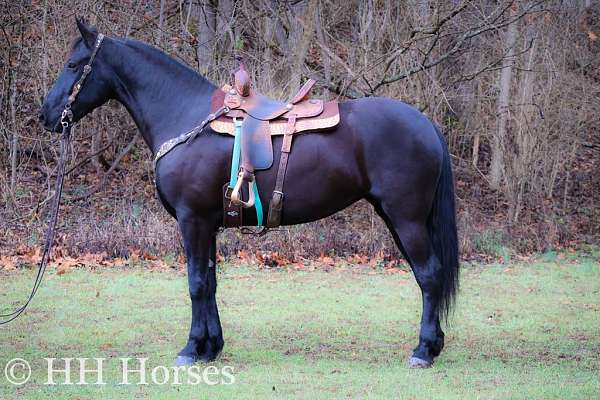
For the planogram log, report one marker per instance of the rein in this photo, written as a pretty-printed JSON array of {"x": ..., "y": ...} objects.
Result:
[{"x": 66, "y": 120}]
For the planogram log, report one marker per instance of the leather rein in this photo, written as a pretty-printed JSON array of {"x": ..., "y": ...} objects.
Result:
[{"x": 66, "y": 121}]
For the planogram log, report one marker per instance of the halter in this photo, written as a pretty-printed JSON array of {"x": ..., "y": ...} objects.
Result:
[{"x": 66, "y": 120}]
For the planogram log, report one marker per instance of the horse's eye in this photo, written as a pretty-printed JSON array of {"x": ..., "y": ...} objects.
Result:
[{"x": 71, "y": 65}]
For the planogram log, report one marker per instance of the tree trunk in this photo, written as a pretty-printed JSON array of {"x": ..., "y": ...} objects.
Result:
[
  {"x": 207, "y": 19},
  {"x": 44, "y": 50},
  {"x": 321, "y": 38},
  {"x": 473, "y": 123},
  {"x": 161, "y": 22},
  {"x": 225, "y": 22},
  {"x": 14, "y": 145},
  {"x": 423, "y": 13},
  {"x": 497, "y": 167},
  {"x": 303, "y": 23}
]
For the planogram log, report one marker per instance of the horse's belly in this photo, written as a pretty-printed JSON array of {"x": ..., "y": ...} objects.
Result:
[{"x": 322, "y": 177}]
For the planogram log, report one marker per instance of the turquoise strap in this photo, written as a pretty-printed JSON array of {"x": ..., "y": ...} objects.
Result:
[
  {"x": 235, "y": 167},
  {"x": 235, "y": 160},
  {"x": 257, "y": 205}
]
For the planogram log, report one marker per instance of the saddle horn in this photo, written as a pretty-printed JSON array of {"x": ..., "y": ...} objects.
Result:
[{"x": 242, "y": 81}]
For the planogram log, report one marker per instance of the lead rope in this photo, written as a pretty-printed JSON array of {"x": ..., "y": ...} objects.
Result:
[
  {"x": 66, "y": 120},
  {"x": 51, "y": 232}
]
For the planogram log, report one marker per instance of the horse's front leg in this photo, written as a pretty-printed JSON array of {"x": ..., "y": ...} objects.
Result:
[{"x": 206, "y": 337}]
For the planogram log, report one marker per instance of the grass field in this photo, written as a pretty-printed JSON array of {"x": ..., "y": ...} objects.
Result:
[{"x": 522, "y": 331}]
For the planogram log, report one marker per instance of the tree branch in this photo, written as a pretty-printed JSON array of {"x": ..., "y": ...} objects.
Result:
[{"x": 112, "y": 168}]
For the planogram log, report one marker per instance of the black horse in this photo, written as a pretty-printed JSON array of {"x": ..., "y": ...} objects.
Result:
[{"x": 383, "y": 151}]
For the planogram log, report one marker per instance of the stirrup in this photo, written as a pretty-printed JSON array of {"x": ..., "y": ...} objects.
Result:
[{"x": 236, "y": 193}]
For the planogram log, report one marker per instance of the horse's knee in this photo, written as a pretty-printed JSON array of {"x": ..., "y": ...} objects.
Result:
[{"x": 199, "y": 288}]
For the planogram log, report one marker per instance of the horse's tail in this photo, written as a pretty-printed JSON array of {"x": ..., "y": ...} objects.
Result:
[{"x": 442, "y": 231}]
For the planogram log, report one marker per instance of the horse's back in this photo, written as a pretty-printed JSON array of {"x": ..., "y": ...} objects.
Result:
[
  {"x": 383, "y": 123},
  {"x": 400, "y": 150}
]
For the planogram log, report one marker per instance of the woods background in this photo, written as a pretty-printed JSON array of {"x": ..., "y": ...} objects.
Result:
[{"x": 515, "y": 86}]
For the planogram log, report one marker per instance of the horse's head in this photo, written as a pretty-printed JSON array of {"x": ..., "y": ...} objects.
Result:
[{"x": 96, "y": 89}]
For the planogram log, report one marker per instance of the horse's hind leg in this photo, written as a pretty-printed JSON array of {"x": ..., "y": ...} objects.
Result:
[{"x": 413, "y": 240}]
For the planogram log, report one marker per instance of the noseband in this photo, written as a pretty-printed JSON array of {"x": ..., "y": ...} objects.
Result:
[{"x": 66, "y": 120}]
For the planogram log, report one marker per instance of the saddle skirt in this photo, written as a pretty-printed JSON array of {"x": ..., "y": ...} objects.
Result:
[{"x": 316, "y": 115}]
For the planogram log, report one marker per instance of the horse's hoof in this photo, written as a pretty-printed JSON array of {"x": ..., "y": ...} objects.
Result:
[
  {"x": 218, "y": 355},
  {"x": 415, "y": 362},
  {"x": 185, "y": 360}
]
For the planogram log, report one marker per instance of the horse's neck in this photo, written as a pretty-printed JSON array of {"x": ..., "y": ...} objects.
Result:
[{"x": 165, "y": 98}]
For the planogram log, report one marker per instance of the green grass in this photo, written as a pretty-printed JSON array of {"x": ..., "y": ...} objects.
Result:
[{"x": 519, "y": 332}]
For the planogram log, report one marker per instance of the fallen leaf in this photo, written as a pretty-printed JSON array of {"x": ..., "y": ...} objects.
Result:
[
  {"x": 62, "y": 269},
  {"x": 7, "y": 263},
  {"x": 149, "y": 257}
]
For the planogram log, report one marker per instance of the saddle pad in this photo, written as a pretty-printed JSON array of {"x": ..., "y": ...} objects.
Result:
[{"x": 328, "y": 119}]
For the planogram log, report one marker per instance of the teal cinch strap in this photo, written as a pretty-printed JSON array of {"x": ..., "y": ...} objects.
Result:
[
  {"x": 235, "y": 160},
  {"x": 257, "y": 205},
  {"x": 235, "y": 167}
]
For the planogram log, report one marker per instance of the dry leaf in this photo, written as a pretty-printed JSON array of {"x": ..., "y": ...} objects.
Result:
[
  {"x": 149, "y": 257},
  {"x": 7, "y": 263},
  {"x": 62, "y": 269}
]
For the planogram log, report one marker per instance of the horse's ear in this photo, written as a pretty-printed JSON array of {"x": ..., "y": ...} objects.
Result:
[{"x": 88, "y": 32}]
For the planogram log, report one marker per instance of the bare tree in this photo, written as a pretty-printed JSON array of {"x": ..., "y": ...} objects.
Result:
[
  {"x": 207, "y": 21},
  {"x": 161, "y": 22},
  {"x": 503, "y": 103}
]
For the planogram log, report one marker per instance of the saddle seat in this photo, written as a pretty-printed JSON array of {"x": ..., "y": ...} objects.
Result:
[
  {"x": 264, "y": 117},
  {"x": 243, "y": 97}
]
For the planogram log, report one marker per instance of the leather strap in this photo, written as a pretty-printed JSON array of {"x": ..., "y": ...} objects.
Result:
[
  {"x": 304, "y": 91},
  {"x": 188, "y": 136},
  {"x": 276, "y": 204}
]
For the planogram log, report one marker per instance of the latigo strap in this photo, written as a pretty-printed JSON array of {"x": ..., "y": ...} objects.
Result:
[{"x": 276, "y": 204}]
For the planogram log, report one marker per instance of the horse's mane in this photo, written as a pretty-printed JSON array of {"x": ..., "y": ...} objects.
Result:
[{"x": 162, "y": 58}]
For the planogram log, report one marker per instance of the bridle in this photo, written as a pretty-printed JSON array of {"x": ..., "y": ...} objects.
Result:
[
  {"x": 66, "y": 118},
  {"x": 66, "y": 121}
]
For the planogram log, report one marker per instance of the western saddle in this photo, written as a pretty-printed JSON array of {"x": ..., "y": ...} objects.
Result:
[{"x": 264, "y": 117}]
